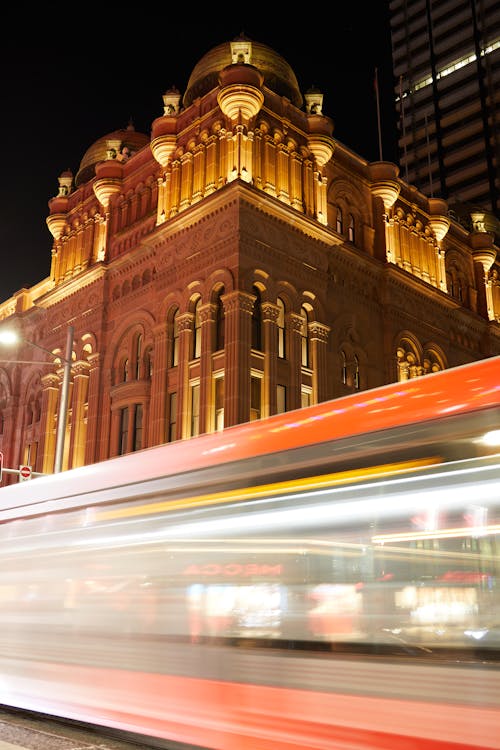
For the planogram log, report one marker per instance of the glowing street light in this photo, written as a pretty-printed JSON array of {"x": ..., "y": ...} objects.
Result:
[{"x": 11, "y": 337}]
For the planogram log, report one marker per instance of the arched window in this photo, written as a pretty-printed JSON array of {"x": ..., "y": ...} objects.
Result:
[
  {"x": 339, "y": 225},
  {"x": 257, "y": 320},
  {"x": 304, "y": 337},
  {"x": 175, "y": 339},
  {"x": 350, "y": 228},
  {"x": 281, "y": 329},
  {"x": 125, "y": 371},
  {"x": 219, "y": 323},
  {"x": 197, "y": 331}
]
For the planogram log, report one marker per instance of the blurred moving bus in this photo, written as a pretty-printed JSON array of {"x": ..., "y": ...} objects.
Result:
[{"x": 325, "y": 578}]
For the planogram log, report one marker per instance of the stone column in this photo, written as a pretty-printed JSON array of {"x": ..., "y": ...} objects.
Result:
[
  {"x": 76, "y": 456},
  {"x": 293, "y": 327},
  {"x": 185, "y": 324},
  {"x": 158, "y": 405},
  {"x": 238, "y": 308},
  {"x": 50, "y": 393},
  {"x": 92, "y": 453},
  {"x": 12, "y": 450},
  {"x": 270, "y": 314},
  {"x": 318, "y": 338},
  {"x": 207, "y": 318}
]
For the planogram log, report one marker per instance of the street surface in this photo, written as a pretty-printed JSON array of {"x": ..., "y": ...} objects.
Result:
[{"x": 20, "y": 733}]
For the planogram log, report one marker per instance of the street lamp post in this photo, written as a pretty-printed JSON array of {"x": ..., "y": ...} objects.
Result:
[{"x": 11, "y": 337}]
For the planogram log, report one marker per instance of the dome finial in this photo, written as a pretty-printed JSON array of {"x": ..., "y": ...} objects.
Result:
[{"x": 241, "y": 51}]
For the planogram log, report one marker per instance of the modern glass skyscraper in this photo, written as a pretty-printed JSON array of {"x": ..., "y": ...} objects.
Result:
[{"x": 446, "y": 61}]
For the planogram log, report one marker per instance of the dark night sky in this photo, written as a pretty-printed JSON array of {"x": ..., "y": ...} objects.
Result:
[{"x": 67, "y": 82}]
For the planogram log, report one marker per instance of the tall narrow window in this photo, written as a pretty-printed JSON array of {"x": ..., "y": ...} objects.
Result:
[
  {"x": 125, "y": 371},
  {"x": 172, "y": 417},
  {"x": 350, "y": 228},
  {"x": 339, "y": 226},
  {"x": 138, "y": 427},
  {"x": 305, "y": 396},
  {"x": 219, "y": 403},
  {"x": 257, "y": 321},
  {"x": 343, "y": 368},
  {"x": 148, "y": 363},
  {"x": 304, "y": 337},
  {"x": 355, "y": 375},
  {"x": 175, "y": 339},
  {"x": 197, "y": 331},
  {"x": 138, "y": 356},
  {"x": 281, "y": 328},
  {"x": 255, "y": 397},
  {"x": 219, "y": 324},
  {"x": 195, "y": 410},
  {"x": 123, "y": 437},
  {"x": 280, "y": 399}
]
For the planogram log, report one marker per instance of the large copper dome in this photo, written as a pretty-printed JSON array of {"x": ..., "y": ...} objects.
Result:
[
  {"x": 127, "y": 138},
  {"x": 278, "y": 75}
]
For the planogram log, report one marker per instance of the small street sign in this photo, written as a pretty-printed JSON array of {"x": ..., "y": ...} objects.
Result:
[{"x": 24, "y": 473}]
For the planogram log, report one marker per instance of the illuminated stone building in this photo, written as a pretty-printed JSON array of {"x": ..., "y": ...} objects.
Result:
[{"x": 237, "y": 262}]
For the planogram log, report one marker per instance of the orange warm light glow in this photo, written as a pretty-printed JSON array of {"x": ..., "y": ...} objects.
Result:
[{"x": 271, "y": 490}]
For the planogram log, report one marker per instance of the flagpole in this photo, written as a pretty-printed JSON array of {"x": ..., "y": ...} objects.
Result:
[
  {"x": 431, "y": 186},
  {"x": 403, "y": 128},
  {"x": 378, "y": 116}
]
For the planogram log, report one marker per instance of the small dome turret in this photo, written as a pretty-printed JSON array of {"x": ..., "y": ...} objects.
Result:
[{"x": 126, "y": 141}]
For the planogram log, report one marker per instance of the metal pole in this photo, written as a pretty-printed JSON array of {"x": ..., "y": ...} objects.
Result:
[{"x": 62, "y": 417}]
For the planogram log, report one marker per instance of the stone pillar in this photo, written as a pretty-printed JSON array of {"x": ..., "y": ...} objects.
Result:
[
  {"x": 185, "y": 324},
  {"x": 76, "y": 455},
  {"x": 158, "y": 405},
  {"x": 47, "y": 448},
  {"x": 114, "y": 433},
  {"x": 10, "y": 447},
  {"x": 293, "y": 328},
  {"x": 270, "y": 314},
  {"x": 186, "y": 180},
  {"x": 92, "y": 453},
  {"x": 207, "y": 318},
  {"x": 238, "y": 308},
  {"x": 318, "y": 338}
]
